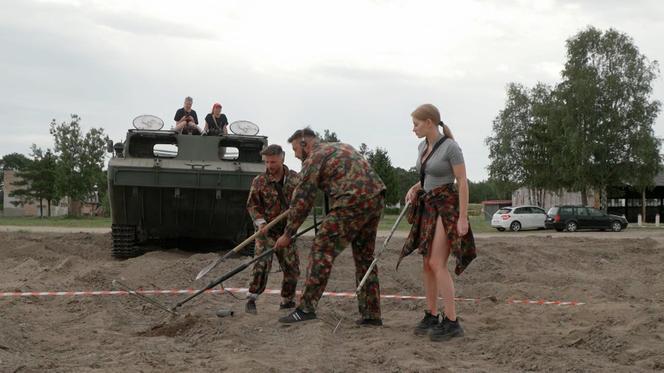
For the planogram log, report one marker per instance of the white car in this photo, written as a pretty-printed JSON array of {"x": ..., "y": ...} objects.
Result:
[{"x": 518, "y": 218}]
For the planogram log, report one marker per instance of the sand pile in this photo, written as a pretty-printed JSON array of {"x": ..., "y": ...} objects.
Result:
[{"x": 619, "y": 329}]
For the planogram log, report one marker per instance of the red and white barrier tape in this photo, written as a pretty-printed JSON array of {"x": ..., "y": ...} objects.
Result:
[{"x": 245, "y": 290}]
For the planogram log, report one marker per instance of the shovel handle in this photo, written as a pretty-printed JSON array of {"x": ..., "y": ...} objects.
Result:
[
  {"x": 234, "y": 271},
  {"x": 379, "y": 252},
  {"x": 251, "y": 238}
]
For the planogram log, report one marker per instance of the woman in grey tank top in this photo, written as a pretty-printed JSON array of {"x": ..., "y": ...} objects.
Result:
[{"x": 440, "y": 211}]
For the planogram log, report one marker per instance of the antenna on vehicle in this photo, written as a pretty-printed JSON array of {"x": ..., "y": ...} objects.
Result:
[
  {"x": 148, "y": 122},
  {"x": 244, "y": 127}
]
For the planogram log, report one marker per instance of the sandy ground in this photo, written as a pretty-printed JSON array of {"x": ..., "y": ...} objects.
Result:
[{"x": 620, "y": 277}]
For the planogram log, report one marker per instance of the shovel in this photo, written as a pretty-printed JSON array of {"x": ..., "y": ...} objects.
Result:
[
  {"x": 239, "y": 247},
  {"x": 379, "y": 252},
  {"x": 233, "y": 272}
]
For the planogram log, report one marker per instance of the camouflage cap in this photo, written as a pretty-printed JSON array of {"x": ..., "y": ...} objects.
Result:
[{"x": 273, "y": 149}]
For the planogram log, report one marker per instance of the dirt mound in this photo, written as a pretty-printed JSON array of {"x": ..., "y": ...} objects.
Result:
[
  {"x": 620, "y": 328},
  {"x": 175, "y": 327}
]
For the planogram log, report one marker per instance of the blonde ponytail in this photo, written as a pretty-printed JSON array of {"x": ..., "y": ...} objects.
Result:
[{"x": 428, "y": 111}]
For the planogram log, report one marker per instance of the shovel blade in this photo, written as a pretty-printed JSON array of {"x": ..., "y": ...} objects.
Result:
[{"x": 207, "y": 269}]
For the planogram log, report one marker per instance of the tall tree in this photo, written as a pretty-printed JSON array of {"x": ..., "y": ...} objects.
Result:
[
  {"x": 405, "y": 179},
  {"x": 364, "y": 150},
  {"x": 507, "y": 146},
  {"x": 486, "y": 190},
  {"x": 328, "y": 136},
  {"x": 36, "y": 181},
  {"x": 382, "y": 164},
  {"x": 80, "y": 160},
  {"x": 12, "y": 161},
  {"x": 608, "y": 112},
  {"x": 520, "y": 149}
]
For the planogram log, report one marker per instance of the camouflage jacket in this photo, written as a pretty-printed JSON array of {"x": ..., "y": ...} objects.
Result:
[
  {"x": 338, "y": 170},
  {"x": 265, "y": 203}
]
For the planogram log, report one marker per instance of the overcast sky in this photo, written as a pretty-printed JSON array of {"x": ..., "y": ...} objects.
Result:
[{"x": 358, "y": 68}]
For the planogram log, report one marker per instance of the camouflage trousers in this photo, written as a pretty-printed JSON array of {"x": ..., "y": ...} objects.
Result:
[
  {"x": 290, "y": 266},
  {"x": 358, "y": 226}
]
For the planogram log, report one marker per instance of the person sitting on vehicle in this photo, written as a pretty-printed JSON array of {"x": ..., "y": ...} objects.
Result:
[
  {"x": 186, "y": 120},
  {"x": 216, "y": 123}
]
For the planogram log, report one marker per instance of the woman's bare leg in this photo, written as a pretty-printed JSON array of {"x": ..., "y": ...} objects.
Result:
[
  {"x": 440, "y": 252},
  {"x": 430, "y": 287}
]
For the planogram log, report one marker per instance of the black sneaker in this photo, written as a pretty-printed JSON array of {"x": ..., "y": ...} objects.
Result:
[
  {"x": 251, "y": 307},
  {"x": 369, "y": 322},
  {"x": 297, "y": 316},
  {"x": 428, "y": 322},
  {"x": 446, "y": 330},
  {"x": 287, "y": 305}
]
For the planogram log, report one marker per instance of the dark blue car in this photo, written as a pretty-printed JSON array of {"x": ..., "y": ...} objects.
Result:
[{"x": 573, "y": 218}]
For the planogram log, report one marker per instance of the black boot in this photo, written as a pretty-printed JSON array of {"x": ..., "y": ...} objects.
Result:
[
  {"x": 446, "y": 330},
  {"x": 428, "y": 322}
]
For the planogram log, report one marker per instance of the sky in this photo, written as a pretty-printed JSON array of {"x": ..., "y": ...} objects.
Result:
[{"x": 357, "y": 68}]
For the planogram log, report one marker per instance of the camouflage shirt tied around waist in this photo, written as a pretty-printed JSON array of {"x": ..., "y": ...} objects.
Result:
[
  {"x": 338, "y": 170},
  {"x": 443, "y": 202},
  {"x": 268, "y": 199}
]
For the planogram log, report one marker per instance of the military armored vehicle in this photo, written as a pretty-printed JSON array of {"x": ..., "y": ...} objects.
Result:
[{"x": 167, "y": 188}]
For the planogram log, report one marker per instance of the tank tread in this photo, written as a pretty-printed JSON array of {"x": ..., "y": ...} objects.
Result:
[{"x": 124, "y": 242}]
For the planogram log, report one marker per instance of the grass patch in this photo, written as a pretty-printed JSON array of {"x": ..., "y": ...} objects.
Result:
[
  {"x": 59, "y": 221},
  {"x": 478, "y": 224}
]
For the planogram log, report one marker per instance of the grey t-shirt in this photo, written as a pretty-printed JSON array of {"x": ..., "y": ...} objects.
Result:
[{"x": 438, "y": 170}]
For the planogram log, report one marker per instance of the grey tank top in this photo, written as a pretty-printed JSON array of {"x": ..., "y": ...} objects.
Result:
[{"x": 438, "y": 170}]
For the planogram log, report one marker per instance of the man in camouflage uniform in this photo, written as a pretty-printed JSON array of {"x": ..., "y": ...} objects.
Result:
[
  {"x": 269, "y": 196},
  {"x": 356, "y": 203}
]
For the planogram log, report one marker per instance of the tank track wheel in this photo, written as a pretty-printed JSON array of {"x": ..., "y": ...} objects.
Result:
[{"x": 124, "y": 242}]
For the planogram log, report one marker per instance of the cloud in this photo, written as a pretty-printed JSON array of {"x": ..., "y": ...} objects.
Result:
[
  {"x": 357, "y": 68},
  {"x": 360, "y": 74},
  {"x": 147, "y": 26}
]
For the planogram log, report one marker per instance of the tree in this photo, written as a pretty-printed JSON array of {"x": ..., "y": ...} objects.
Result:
[
  {"x": 607, "y": 110},
  {"x": 406, "y": 179},
  {"x": 12, "y": 161},
  {"x": 364, "y": 150},
  {"x": 328, "y": 136},
  {"x": 642, "y": 177},
  {"x": 36, "y": 181},
  {"x": 486, "y": 190},
  {"x": 520, "y": 150},
  {"x": 592, "y": 131},
  {"x": 80, "y": 160},
  {"x": 507, "y": 146},
  {"x": 382, "y": 165}
]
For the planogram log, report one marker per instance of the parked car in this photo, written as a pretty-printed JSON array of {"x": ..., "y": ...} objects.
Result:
[
  {"x": 518, "y": 218},
  {"x": 573, "y": 218}
]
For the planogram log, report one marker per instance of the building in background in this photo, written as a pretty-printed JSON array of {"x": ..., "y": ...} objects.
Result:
[
  {"x": 623, "y": 200},
  {"x": 11, "y": 207}
]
